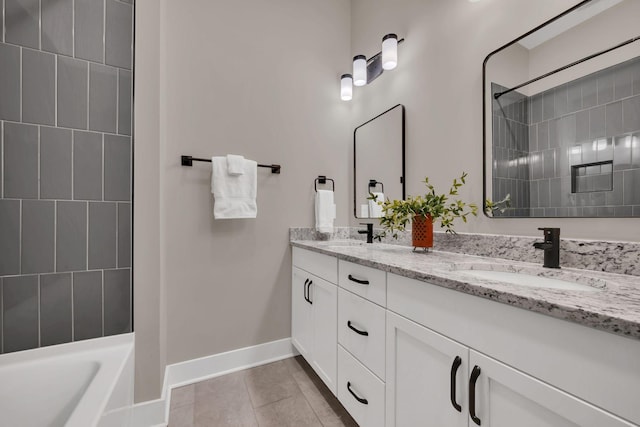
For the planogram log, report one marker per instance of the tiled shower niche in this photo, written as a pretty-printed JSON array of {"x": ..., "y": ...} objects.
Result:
[
  {"x": 573, "y": 150},
  {"x": 65, "y": 171}
]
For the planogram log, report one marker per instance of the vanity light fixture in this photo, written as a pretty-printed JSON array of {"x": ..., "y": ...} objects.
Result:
[
  {"x": 367, "y": 70},
  {"x": 389, "y": 51},
  {"x": 359, "y": 70},
  {"x": 346, "y": 87}
]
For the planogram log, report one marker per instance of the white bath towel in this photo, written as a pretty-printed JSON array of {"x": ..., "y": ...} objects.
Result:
[
  {"x": 235, "y": 164},
  {"x": 325, "y": 211},
  {"x": 375, "y": 210},
  {"x": 235, "y": 195}
]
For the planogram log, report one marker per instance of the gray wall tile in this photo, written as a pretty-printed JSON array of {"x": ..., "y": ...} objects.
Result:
[
  {"x": 561, "y": 100},
  {"x": 71, "y": 236},
  {"x": 623, "y": 80},
  {"x": 589, "y": 92},
  {"x": 38, "y": 87},
  {"x": 635, "y": 150},
  {"x": 87, "y": 166},
  {"x": 10, "y": 82},
  {"x": 574, "y": 96},
  {"x": 89, "y": 29},
  {"x": 55, "y": 309},
  {"x": 543, "y": 135},
  {"x": 38, "y": 248},
  {"x": 20, "y": 161},
  {"x": 631, "y": 111},
  {"x": 613, "y": 121},
  {"x": 597, "y": 122},
  {"x": 636, "y": 79},
  {"x": 87, "y": 305},
  {"x": 622, "y": 152},
  {"x": 623, "y": 211},
  {"x": 102, "y": 235},
  {"x": 20, "y": 309},
  {"x": 22, "y": 20},
  {"x": 117, "y": 167},
  {"x": 536, "y": 109},
  {"x": 636, "y": 211},
  {"x": 554, "y": 133},
  {"x": 124, "y": 103},
  {"x": 55, "y": 163},
  {"x": 549, "y": 163},
  {"x": 103, "y": 93},
  {"x": 631, "y": 188},
  {"x": 1, "y": 315},
  {"x": 582, "y": 125},
  {"x": 57, "y": 26},
  {"x": 117, "y": 301},
  {"x": 9, "y": 237},
  {"x": 615, "y": 197},
  {"x": 543, "y": 193},
  {"x": 118, "y": 34},
  {"x": 72, "y": 93},
  {"x": 548, "y": 110},
  {"x": 605, "y": 87},
  {"x": 124, "y": 235}
]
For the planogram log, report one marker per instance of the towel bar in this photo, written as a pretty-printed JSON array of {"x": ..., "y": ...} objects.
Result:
[
  {"x": 321, "y": 179},
  {"x": 188, "y": 161}
]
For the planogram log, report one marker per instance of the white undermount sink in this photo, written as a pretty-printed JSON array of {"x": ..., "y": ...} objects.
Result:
[{"x": 532, "y": 277}]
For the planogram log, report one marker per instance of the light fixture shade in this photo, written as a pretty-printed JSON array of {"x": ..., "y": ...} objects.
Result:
[
  {"x": 389, "y": 51},
  {"x": 359, "y": 70},
  {"x": 346, "y": 88}
]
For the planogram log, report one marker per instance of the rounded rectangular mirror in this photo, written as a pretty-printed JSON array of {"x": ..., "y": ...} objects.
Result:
[
  {"x": 378, "y": 151},
  {"x": 562, "y": 115}
]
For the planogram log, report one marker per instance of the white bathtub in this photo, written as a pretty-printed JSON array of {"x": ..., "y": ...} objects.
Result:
[{"x": 82, "y": 384}]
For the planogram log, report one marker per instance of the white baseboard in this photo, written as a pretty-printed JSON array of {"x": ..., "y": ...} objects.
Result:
[{"x": 155, "y": 413}]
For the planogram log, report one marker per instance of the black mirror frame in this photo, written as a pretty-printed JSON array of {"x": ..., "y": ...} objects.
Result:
[{"x": 403, "y": 179}]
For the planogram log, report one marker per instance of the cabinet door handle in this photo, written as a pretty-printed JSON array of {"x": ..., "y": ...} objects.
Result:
[
  {"x": 472, "y": 394},
  {"x": 304, "y": 290},
  {"x": 309, "y": 292},
  {"x": 357, "y": 331},
  {"x": 359, "y": 399},
  {"x": 362, "y": 282},
  {"x": 454, "y": 371}
]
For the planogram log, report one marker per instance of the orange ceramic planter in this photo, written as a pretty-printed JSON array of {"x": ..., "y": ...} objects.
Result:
[{"x": 422, "y": 232}]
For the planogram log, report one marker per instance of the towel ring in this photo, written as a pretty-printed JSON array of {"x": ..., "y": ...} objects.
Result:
[
  {"x": 373, "y": 183},
  {"x": 321, "y": 179}
]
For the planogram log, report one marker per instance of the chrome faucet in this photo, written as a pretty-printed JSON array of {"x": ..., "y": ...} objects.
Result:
[
  {"x": 550, "y": 246},
  {"x": 368, "y": 232}
]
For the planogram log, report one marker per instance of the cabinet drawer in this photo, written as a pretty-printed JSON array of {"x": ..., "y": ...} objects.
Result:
[
  {"x": 361, "y": 330},
  {"x": 367, "y": 282},
  {"x": 360, "y": 391},
  {"x": 323, "y": 266}
]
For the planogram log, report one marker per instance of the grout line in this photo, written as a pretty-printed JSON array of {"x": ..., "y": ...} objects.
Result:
[
  {"x": 39, "y": 313},
  {"x": 102, "y": 302},
  {"x": 55, "y": 90},
  {"x": 40, "y": 24},
  {"x": 65, "y": 128},
  {"x": 73, "y": 28},
  {"x": 88, "y": 123},
  {"x": 39, "y": 160},
  {"x": 104, "y": 31},
  {"x": 55, "y": 236},
  {"x": 21, "y": 103},
  {"x": 1, "y": 164},
  {"x": 87, "y": 237},
  {"x": 102, "y": 165},
  {"x": 118, "y": 101},
  {"x": 117, "y": 233},
  {"x": 73, "y": 146},
  {"x": 20, "y": 239},
  {"x": 73, "y": 326},
  {"x": 4, "y": 30}
]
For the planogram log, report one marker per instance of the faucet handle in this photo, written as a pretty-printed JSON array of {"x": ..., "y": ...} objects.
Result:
[{"x": 550, "y": 233}]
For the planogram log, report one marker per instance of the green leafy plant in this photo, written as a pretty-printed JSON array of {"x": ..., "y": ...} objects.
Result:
[
  {"x": 396, "y": 214},
  {"x": 490, "y": 208}
]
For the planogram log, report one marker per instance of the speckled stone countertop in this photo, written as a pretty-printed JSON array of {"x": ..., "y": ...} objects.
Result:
[{"x": 612, "y": 306}]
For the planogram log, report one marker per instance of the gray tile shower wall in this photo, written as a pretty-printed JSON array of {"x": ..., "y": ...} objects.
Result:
[
  {"x": 65, "y": 171},
  {"x": 595, "y": 119},
  {"x": 511, "y": 150}
]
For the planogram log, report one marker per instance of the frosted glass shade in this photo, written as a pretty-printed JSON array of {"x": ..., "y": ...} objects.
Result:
[
  {"x": 346, "y": 87},
  {"x": 389, "y": 52},
  {"x": 359, "y": 70}
]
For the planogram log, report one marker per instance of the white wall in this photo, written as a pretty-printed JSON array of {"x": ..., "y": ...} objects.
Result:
[
  {"x": 439, "y": 79},
  {"x": 255, "y": 78}
]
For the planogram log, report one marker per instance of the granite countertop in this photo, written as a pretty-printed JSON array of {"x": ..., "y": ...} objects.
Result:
[{"x": 614, "y": 305}]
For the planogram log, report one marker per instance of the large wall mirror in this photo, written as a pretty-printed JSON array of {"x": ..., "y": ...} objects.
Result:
[
  {"x": 378, "y": 150},
  {"x": 562, "y": 115}
]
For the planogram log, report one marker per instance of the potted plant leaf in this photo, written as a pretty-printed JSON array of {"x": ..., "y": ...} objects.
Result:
[{"x": 422, "y": 211}]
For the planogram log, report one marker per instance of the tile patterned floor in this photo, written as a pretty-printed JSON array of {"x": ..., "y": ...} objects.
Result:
[{"x": 280, "y": 394}]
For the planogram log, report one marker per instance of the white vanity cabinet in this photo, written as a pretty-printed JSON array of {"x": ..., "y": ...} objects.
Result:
[
  {"x": 518, "y": 368},
  {"x": 314, "y": 312}
]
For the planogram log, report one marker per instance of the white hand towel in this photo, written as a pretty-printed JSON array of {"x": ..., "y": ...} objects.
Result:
[
  {"x": 235, "y": 195},
  {"x": 375, "y": 210},
  {"x": 235, "y": 164},
  {"x": 325, "y": 211}
]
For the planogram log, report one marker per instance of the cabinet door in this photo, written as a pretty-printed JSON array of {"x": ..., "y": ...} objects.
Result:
[
  {"x": 301, "y": 313},
  {"x": 506, "y": 397},
  {"x": 324, "y": 298},
  {"x": 426, "y": 377}
]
